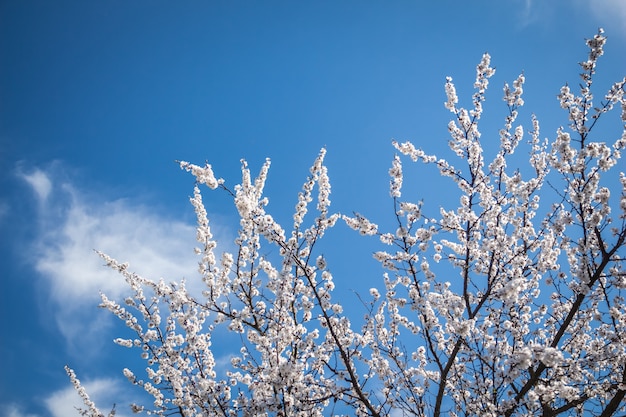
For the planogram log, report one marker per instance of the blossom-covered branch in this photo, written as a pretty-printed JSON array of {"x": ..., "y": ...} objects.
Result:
[{"x": 509, "y": 303}]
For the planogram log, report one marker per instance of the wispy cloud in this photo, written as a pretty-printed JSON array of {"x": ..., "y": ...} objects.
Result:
[
  {"x": 104, "y": 392},
  {"x": 526, "y": 14},
  {"x": 611, "y": 14},
  {"x": 39, "y": 182},
  {"x": 14, "y": 410},
  {"x": 73, "y": 224},
  {"x": 530, "y": 12}
]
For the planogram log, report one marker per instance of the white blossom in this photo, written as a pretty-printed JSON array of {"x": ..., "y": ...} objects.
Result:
[{"x": 507, "y": 302}]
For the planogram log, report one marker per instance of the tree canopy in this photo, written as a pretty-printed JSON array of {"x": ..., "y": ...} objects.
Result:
[{"x": 510, "y": 303}]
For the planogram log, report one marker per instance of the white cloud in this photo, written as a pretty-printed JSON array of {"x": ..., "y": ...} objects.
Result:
[
  {"x": 14, "y": 410},
  {"x": 154, "y": 246},
  {"x": 103, "y": 392},
  {"x": 530, "y": 12},
  {"x": 39, "y": 182},
  {"x": 526, "y": 15},
  {"x": 611, "y": 14},
  {"x": 72, "y": 225}
]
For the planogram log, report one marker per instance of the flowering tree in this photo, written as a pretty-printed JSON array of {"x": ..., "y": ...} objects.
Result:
[{"x": 511, "y": 303}]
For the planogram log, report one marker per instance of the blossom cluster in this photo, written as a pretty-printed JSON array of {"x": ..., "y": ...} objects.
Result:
[{"x": 510, "y": 303}]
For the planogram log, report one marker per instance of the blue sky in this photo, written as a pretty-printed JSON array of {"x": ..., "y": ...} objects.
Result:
[{"x": 98, "y": 99}]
